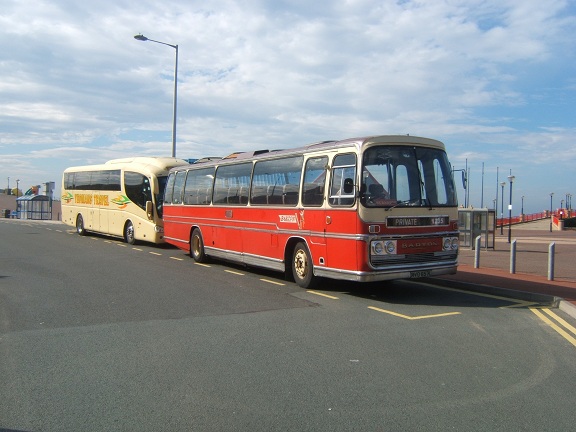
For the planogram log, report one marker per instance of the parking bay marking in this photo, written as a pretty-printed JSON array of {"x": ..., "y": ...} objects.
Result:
[
  {"x": 515, "y": 303},
  {"x": 323, "y": 295},
  {"x": 272, "y": 282},
  {"x": 412, "y": 318}
]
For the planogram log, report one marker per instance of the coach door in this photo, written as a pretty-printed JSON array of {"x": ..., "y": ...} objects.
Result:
[
  {"x": 341, "y": 216},
  {"x": 312, "y": 218}
]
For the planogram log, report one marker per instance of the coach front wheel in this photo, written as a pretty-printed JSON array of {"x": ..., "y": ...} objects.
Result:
[
  {"x": 197, "y": 246},
  {"x": 129, "y": 233},
  {"x": 302, "y": 267},
  {"x": 80, "y": 225}
]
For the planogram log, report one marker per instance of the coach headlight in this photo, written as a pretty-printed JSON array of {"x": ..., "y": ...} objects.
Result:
[
  {"x": 390, "y": 247},
  {"x": 450, "y": 243},
  {"x": 383, "y": 247},
  {"x": 455, "y": 243},
  {"x": 377, "y": 248}
]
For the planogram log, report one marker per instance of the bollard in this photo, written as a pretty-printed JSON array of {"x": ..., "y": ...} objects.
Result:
[
  {"x": 477, "y": 252},
  {"x": 513, "y": 257},
  {"x": 551, "y": 261}
]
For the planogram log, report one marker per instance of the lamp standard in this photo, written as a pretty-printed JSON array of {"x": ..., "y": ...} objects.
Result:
[
  {"x": 551, "y": 195},
  {"x": 511, "y": 178},
  {"x": 17, "y": 188},
  {"x": 143, "y": 38},
  {"x": 522, "y": 211},
  {"x": 502, "y": 210},
  {"x": 8, "y": 190}
]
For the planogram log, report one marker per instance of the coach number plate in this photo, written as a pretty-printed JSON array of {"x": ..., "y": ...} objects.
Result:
[{"x": 419, "y": 274}]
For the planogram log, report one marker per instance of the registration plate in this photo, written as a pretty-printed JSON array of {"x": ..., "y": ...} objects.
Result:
[{"x": 419, "y": 274}]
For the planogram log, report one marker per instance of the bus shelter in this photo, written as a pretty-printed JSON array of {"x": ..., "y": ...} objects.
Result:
[
  {"x": 477, "y": 222},
  {"x": 37, "y": 207}
]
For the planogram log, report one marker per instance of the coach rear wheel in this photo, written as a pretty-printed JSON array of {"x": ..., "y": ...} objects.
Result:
[
  {"x": 302, "y": 267},
  {"x": 197, "y": 246},
  {"x": 80, "y": 225},
  {"x": 129, "y": 233}
]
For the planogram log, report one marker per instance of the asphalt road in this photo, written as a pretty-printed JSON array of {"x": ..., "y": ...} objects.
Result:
[{"x": 96, "y": 335}]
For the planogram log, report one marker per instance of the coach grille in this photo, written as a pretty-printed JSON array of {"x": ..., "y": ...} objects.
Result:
[{"x": 418, "y": 258}]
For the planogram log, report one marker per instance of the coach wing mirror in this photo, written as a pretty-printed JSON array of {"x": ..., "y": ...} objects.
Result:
[
  {"x": 149, "y": 210},
  {"x": 348, "y": 186}
]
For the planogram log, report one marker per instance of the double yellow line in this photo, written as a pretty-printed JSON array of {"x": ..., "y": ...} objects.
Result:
[{"x": 558, "y": 324}]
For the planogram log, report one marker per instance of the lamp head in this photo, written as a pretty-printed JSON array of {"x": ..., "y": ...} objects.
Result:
[{"x": 141, "y": 37}]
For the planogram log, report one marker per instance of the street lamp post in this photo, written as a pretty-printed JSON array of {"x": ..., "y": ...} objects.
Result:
[
  {"x": 143, "y": 38},
  {"x": 17, "y": 188},
  {"x": 511, "y": 178},
  {"x": 502, "y": 210},
  {"x": 522, "y": 211},
  {"x": 551, "y": 195}
]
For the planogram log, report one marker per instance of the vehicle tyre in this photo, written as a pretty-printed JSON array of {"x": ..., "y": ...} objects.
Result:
[
  {"x": 129, "y": 233},
  {"x": 80, "y": 225},
  {"x": 302, "y": 267},
  {"x": 197, "y": 246}
]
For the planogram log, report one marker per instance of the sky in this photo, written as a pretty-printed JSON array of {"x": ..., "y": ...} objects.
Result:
[{"x": 494, "y": 80}]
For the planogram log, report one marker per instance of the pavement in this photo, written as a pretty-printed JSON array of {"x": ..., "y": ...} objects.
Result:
[{"x": 530, "y": 281}]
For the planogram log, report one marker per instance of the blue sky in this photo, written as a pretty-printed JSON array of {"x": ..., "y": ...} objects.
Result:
[{"x": 494, "y": 80}]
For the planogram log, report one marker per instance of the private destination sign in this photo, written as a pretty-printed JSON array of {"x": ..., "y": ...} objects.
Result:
[{"x": 407, "y": 221}]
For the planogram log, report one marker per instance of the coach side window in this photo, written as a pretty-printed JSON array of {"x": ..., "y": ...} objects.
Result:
[
  {"x": 314, "y": 180},
  {"x": 231, "y": 184},
  {"x": 169, "y": 189},
  {"x": 198, "y": 188},
  {"x": 342, "y": 190},
  {"x": 276, "y": 182},
  {"x": 178, "y": 187}
]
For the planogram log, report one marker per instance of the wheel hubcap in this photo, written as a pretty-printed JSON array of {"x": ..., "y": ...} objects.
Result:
[{"x": 300, "y": 264}]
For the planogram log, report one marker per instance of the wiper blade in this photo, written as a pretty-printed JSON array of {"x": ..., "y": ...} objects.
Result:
[{"x": 412, "y": 201}]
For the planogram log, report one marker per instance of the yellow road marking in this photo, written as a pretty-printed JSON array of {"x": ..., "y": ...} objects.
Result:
[
  {"x": 177, "y": 259},
  {"x": 121, "y": 244},
  {"x": 563, "y": 322},
  {"x": 155, "y": 253},
  {"x": 413, "y": 317},
  {"x": 272, "y": 282},
  {"x": 137, "y": 249},
  {"x": 234, "y": 272},
  {"x": 516, "y": 303},
  {"x": 552, "y": 324},
  {"x": 203, "y": 265},
  {"x": 323, "y": 295}
]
